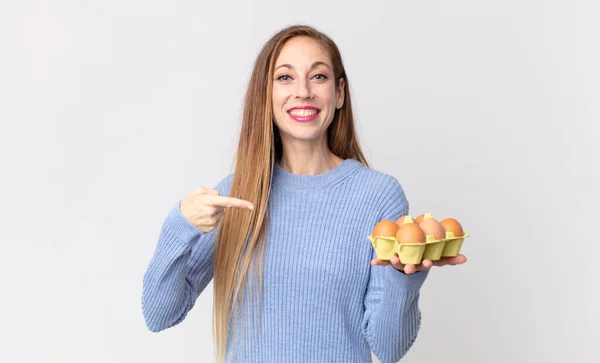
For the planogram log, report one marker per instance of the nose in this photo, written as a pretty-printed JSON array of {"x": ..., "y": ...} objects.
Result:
[{"x": 303, "y": 90}]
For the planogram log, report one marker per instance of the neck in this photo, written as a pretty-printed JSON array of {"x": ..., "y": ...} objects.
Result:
[{"x": 304, "y": 158}]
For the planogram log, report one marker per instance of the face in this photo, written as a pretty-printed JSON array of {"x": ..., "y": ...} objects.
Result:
[{"x": 305, "y": 94}]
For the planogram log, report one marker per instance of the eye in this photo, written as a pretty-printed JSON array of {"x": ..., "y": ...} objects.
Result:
[
  {"x": 320, "y": 76},
  {"x": 284, "y": 77}
]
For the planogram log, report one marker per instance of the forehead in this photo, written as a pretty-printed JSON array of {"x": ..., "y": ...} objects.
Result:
[{"x": 302, "y": 51}]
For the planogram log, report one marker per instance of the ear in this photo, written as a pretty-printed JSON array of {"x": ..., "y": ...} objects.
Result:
[{"x": 339, "y": 93}]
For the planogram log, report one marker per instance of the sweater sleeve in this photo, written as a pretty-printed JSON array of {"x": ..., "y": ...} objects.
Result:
[
  {"x": 392, "y": 317},
  {"x": 179, "y": 270}
]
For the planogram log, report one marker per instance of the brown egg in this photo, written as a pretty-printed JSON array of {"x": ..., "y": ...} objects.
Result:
[
  {"x": 419, "y": 219},
  {"x": 452, "y": 225},
  {"x": 404, "y": 219},
  {"x": 385, "y": 228},
  {"x": 410, "y": 233},
  {"x": 433, "y": 227}
]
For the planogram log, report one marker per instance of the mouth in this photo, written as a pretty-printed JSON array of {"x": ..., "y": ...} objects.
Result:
[{"x": 304, "y": 114}]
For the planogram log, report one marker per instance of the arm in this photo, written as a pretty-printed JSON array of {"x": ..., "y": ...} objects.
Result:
[
  {"x": 179, "y": 270},
  {"x": 392, "y": 317}
]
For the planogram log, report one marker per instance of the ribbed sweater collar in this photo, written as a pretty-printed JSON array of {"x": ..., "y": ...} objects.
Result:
[{"x": 286, "y": 179}]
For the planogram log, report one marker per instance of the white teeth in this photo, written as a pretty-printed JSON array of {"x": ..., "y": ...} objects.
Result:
[{"x": 303, "y": 113}]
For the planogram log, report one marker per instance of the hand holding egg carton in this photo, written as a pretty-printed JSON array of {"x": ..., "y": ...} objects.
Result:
[{"x": 413, "y": 240}]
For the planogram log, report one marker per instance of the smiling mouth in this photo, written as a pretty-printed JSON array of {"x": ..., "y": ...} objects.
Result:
[{"x": 303, "y": 113}]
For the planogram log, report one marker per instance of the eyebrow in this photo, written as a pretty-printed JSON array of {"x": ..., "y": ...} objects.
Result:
[{"x": 314, "y": 65}]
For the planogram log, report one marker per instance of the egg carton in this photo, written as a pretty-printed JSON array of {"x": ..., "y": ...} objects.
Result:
[{"x": 414, "y": 253}]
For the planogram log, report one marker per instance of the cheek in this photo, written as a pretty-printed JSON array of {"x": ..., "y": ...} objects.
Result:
[
  {"x": 328, "y": 96},
  {"x": 280, "y": 96},
  {"x": 328, "y": 99},
  {"x": 278, "y": 100}
]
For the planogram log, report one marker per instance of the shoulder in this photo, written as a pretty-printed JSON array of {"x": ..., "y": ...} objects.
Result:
[
  {"x": 224, "y": 185},
  {"x": 378, "y": 181},
  {"x": 386, "y": 190}
]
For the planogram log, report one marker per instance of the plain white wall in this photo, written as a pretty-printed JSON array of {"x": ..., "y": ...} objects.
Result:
[{"x": 484, "y": 110}]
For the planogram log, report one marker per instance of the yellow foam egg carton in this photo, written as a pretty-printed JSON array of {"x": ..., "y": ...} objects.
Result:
[
  {"x": 453, "y": 244},
  {"x": 413, "y": 253},
  {"x": 388, "y": 247}
]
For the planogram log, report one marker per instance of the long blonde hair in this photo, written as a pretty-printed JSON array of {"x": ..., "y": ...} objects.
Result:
[{"x": 240, "y": 239}]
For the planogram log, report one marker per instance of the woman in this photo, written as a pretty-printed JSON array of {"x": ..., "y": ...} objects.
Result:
[{"x": 284, "y": 236}]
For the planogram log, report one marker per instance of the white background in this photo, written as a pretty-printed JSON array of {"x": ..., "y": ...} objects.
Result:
[{"x": 484, "y": 110}]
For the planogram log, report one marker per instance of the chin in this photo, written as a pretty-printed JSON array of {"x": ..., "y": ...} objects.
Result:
[{"x": 304, "y": 135}]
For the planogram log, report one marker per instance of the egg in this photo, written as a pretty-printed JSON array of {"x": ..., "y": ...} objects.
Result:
[
  {"x": 410, "y": 233},
  {"x": 431, "y": 226},
  {"x": 385, "y": 228},
  {"x": 452, "y": 225},
  {"x": 419, "y": 219},
  {"x": 404, "y": 219}
]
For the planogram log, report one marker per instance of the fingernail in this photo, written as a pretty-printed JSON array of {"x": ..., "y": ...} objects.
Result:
[{"x": 251, "y": 207}]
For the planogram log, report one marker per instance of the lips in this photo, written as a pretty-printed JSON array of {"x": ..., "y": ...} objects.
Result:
[{"x": 304, "y": 113}]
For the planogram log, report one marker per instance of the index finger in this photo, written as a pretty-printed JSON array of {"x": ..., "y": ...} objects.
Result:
[{"x": 225, "y": 202}]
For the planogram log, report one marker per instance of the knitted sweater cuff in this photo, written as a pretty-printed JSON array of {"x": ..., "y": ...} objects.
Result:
[
  {"x": 412, "y": 282},
  {"x": 183, "y": 228}
]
